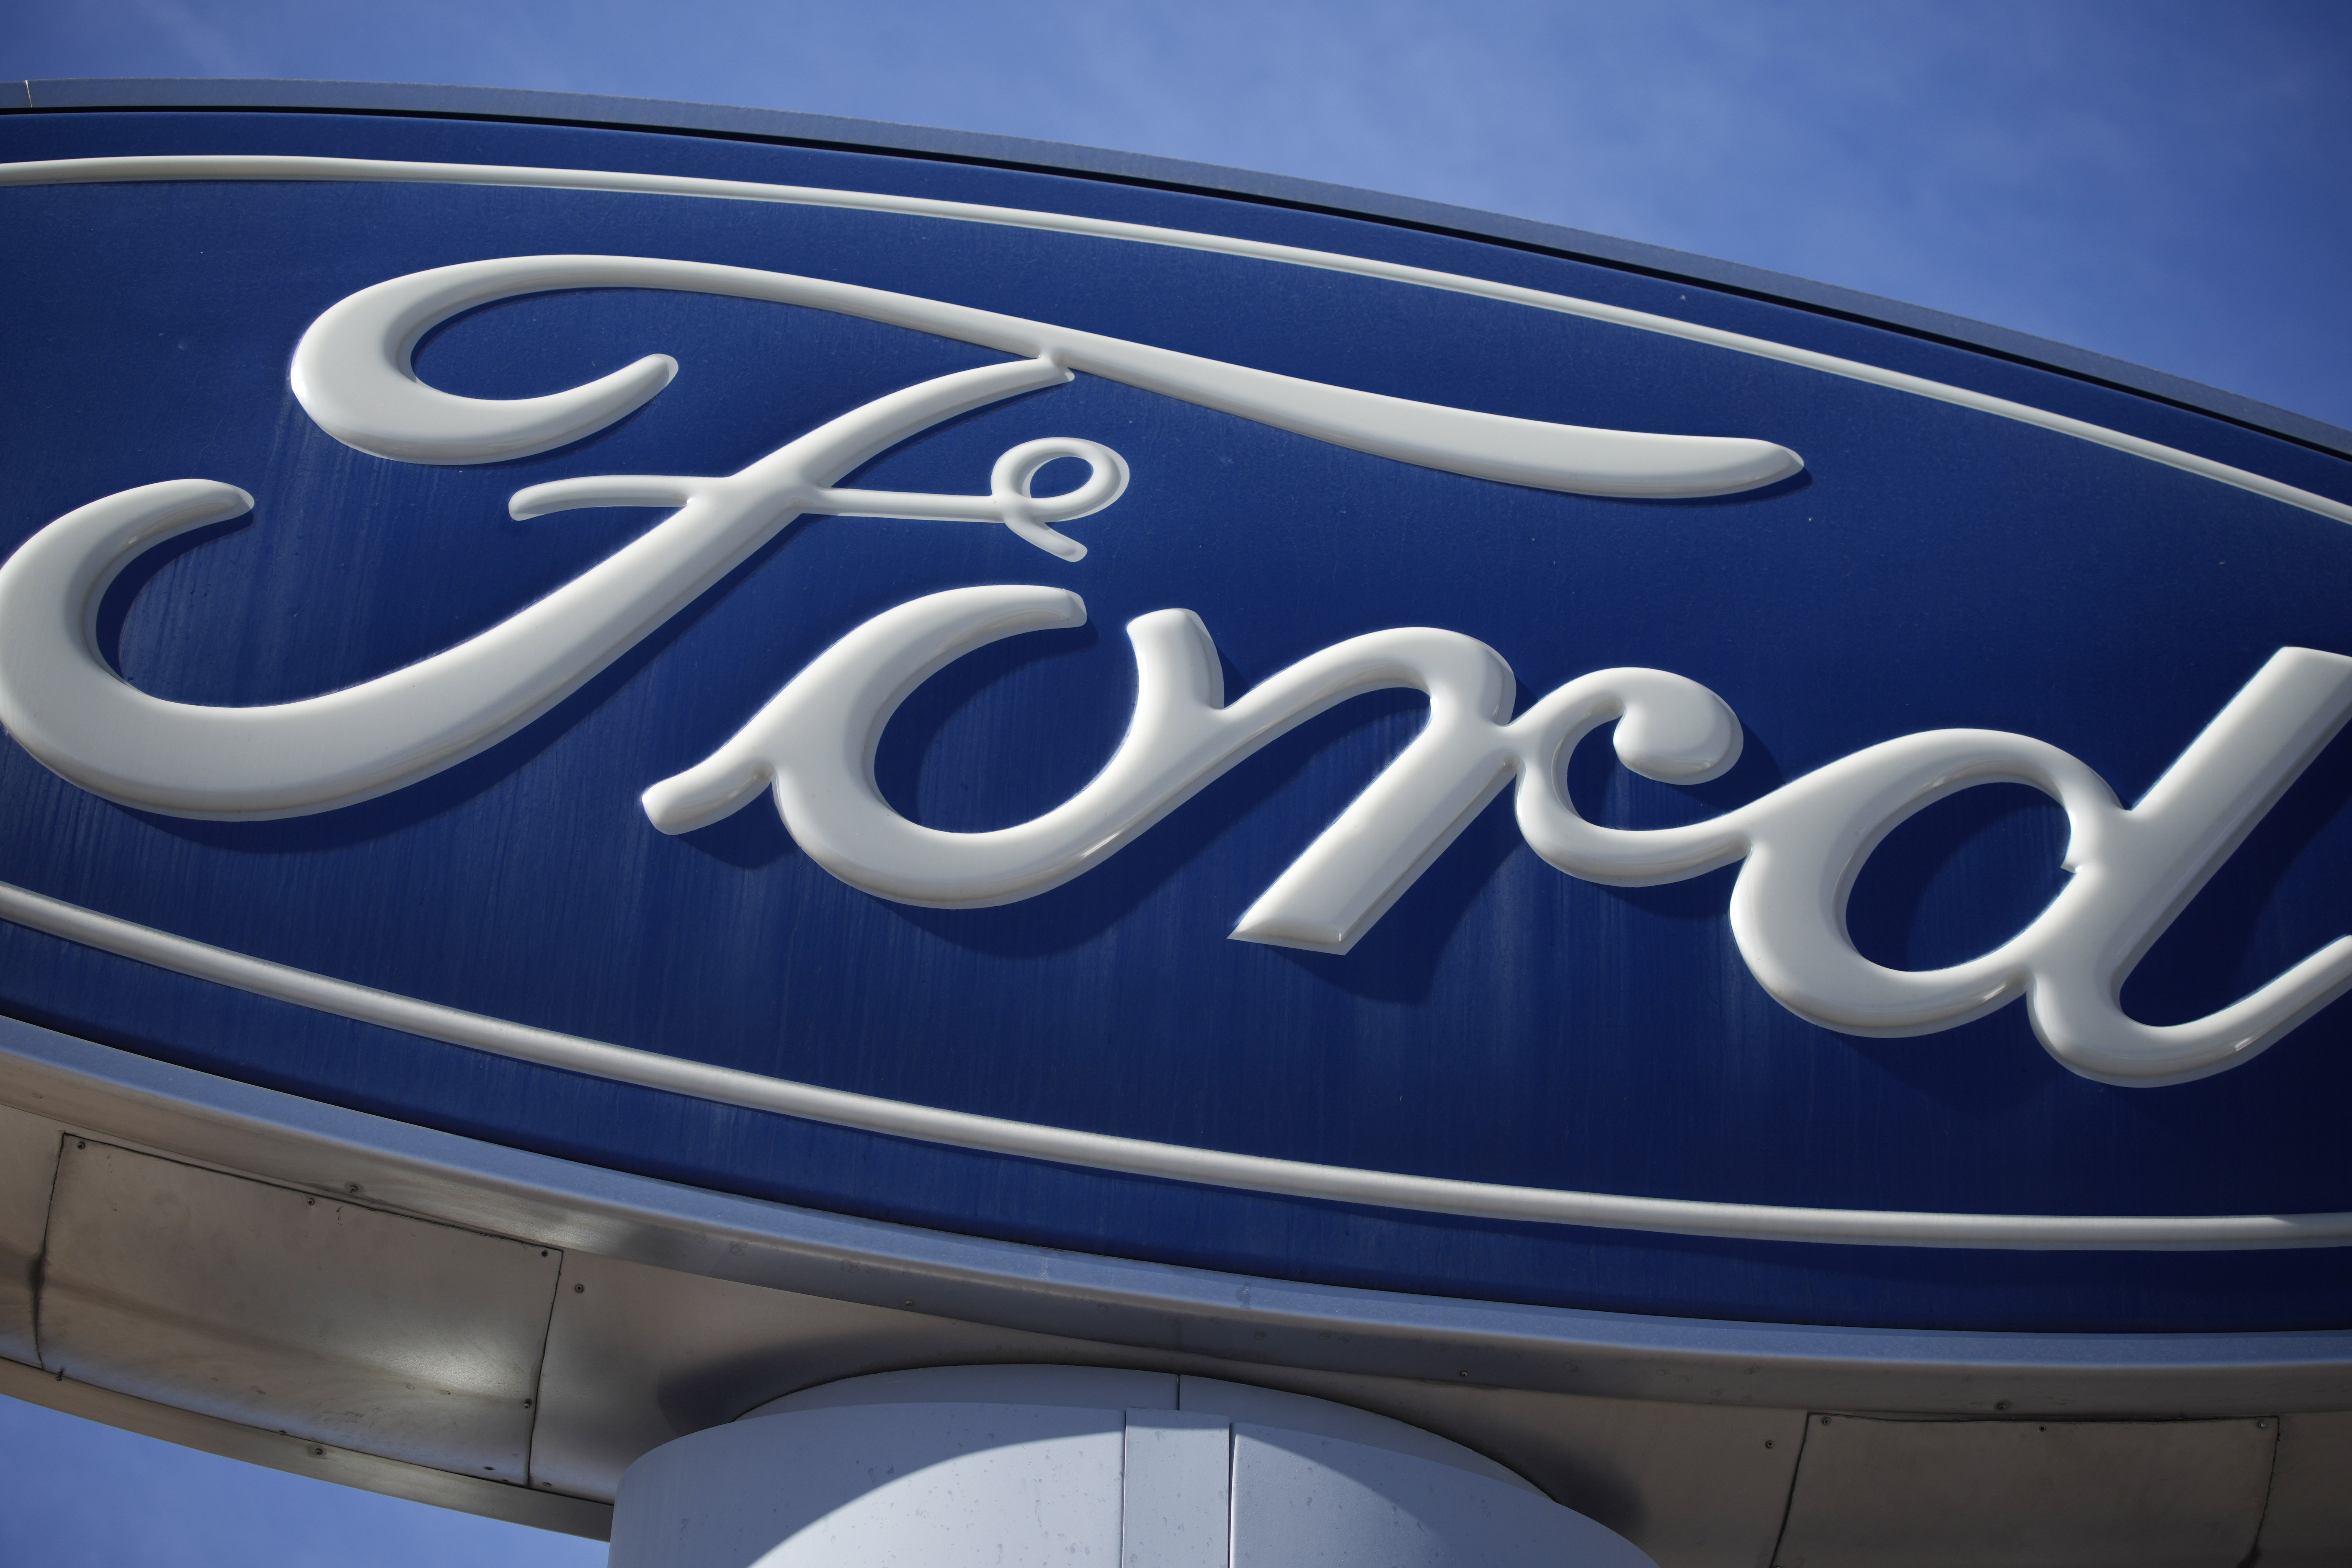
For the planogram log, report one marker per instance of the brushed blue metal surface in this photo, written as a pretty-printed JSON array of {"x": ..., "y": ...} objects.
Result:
[{"x": 1933, "y": 567}]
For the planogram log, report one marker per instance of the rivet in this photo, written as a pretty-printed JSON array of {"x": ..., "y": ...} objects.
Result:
[
  {"x": 2000, "y": 1404},
  {"x": 310, "y": 1203},
  {"x": 1768, "y": 1442},
  {"x": 1825, "y": 1420},
  {"x": 2261, "y": 1426},
  {"x": 577, "y": 1290}
]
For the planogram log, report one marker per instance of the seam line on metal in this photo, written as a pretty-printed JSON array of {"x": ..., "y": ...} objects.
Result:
[
  {"x": 1135, "y": 1156},
  {"x": 239, "y": 167}
]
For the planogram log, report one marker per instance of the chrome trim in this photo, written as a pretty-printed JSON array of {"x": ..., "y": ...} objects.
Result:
[
  {"x": 1127, "y": 1306},
  {"x": 1212, "y": 1167}
]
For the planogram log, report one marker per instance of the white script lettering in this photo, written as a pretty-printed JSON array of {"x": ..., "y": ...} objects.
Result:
[{"x": 1803, "y": 845}]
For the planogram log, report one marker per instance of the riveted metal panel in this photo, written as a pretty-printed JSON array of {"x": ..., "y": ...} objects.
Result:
[
  {"x": 2021, "y": 1494},
  {"x": 325, "y": 1319}
]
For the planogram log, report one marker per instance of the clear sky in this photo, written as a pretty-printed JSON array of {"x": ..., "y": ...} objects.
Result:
[{"x": 2165, "y": 181}]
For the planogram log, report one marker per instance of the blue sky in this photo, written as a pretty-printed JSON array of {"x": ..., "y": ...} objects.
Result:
[{"x": 2162, "y": 180}]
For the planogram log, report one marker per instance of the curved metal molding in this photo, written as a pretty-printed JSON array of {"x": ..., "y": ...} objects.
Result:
[
  {"x": 1126, "y": 1306},
  {"x": 1135, "y": 1156},
  {"x": 835, "y": 131}
]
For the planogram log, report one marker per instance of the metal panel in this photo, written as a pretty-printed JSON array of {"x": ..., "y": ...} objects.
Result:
[
  {"x": 1305, "y": 1501},
  {"x": 2309, "y": 1522},
  {"x": 300, "y": 1456},
  {"x": 1030, "y": 1296},
  {"x": 325, "y": 1319},
  {"x": 639, "y": 1356},
  {"x": 28, "y": 1161},
  {"x": 2022, "y": 1494},
  {"x": 1694, "y": 1486}
]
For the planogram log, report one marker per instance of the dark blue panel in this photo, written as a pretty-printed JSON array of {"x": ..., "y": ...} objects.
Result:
[{"x": 1933, "y": 567}]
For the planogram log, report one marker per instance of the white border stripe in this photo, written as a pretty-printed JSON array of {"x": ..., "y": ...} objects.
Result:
[
  {"x": 1136, "y": 1156},
  {"x": 216, "y": 166}
]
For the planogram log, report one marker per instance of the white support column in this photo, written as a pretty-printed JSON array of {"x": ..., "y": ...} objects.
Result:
[{"x": 1035, "y": 1467}]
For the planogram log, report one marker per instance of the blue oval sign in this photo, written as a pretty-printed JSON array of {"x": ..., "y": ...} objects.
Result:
[{"x": 1177, "y": 729}]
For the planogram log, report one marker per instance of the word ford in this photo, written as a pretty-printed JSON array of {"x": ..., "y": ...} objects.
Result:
[{"x": 1801, "y": 846}]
